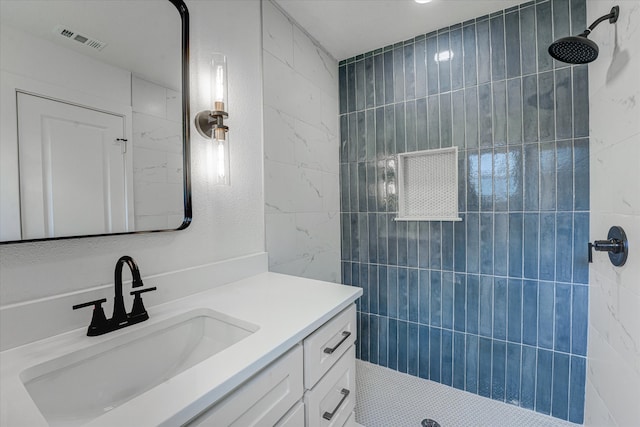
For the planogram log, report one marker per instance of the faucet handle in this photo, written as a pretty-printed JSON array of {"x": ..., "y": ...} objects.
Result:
[
  {"x": 141, "y": 291},
  {"x": 95, "y": 303},
  {"x": 99, "y": 322},
  {"x": 138, "y": 312}
]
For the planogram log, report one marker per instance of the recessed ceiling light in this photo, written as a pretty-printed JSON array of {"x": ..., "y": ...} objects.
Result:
[{"x": 422, "y": 1}]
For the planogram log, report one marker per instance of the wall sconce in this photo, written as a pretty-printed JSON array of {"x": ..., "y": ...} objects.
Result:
[{"x": 210, "y": 124}]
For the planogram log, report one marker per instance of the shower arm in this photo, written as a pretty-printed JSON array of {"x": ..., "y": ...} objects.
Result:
[{"x": 612, "y": 17}]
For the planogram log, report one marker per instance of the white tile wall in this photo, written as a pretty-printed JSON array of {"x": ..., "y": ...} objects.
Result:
[
  {"x": 613, "y": 371},
  {"x": 328, "y": 118},
  {"x": 312, "y": 266},
  {"x": 281, "y": 227},
  {"x": 157, "y": 145},
  {"x": 279, "y": 135},
  {"x": 148, "y": 98},
  {"x": 174, "y": 106},
  {"x": 156, "y": 133},
  {"x": 301, "y": 151},
  {"x": 277, "y": 34},
  {"x": 312, "y": 62},
  {"x": 315, "y": 148},
  {"x": 150, "y": 165}
]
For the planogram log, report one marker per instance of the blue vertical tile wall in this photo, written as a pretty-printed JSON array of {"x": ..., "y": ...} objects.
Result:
[{"x": 495, "y": 304}]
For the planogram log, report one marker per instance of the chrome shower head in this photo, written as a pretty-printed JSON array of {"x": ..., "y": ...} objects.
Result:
[{"x": 579, "y": 49}]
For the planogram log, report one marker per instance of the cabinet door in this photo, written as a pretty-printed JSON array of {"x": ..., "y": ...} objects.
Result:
[
  {"x": 327, "y": 344},
  {"x": 332, "y": 400},
  {"x": 261, "y": 401}
]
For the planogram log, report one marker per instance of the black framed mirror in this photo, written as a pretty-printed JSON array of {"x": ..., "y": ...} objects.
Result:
[{"x": 94, "y": 109}]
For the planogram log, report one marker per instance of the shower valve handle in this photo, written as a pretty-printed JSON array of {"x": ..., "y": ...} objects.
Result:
[
  {"x": 613, "y": 245},
  {"x": 616, "y": 245}
]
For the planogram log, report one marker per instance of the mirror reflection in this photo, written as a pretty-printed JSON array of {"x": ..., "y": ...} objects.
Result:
[{"x": 92, "y": 117}]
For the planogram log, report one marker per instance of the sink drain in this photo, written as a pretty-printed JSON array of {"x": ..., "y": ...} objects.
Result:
[{"x": 427, "y": 422}]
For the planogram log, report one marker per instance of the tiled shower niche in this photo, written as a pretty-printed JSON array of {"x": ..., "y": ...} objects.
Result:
[{"x": 495, "y": 304}]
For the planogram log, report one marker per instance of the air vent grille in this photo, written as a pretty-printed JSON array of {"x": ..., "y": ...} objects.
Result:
[{"x": 84, "y": 39}]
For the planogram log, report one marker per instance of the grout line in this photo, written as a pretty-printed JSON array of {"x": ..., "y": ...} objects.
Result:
[
  {"x": 453, "y": 331},
  {"x": 455, "y": 90}
]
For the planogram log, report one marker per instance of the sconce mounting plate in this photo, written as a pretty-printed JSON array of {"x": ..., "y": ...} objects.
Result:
[{"x": 206, "y": 121}]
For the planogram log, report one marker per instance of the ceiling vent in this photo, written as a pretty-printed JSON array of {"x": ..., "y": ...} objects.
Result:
[{"x": 70, "y": 34}]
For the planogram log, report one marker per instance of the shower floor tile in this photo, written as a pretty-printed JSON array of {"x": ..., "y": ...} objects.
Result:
[{"x": 387, "y": 398}]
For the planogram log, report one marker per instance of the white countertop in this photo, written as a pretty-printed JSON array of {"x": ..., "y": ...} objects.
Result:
[{"x": 285, "y": 308}]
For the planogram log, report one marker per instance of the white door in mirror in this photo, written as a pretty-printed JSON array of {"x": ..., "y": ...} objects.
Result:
[{"x": 73, "y": 170}]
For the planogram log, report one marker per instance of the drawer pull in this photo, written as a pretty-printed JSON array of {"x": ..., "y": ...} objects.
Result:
[
  {"x": 345, "y": 335},
  {"x": 345, "y": 394}
]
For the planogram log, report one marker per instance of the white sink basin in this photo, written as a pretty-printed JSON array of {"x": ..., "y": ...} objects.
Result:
[{"x": 76, "y": 388}]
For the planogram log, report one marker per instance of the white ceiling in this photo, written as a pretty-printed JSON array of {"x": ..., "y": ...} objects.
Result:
[{"x": 346, "y": 28}]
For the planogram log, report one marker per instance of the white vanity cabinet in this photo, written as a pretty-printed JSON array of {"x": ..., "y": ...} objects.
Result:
[
  {"x": 311, "y": 385},
  {"x": 261, "y": 401},
  {"x": 293, "y": 418},
  {"x": 292, "y": 366},
  {"x": 329, "y": 371}
]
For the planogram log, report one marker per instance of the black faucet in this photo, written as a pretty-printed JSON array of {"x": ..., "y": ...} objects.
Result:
[{"x": 99, "y": 323}]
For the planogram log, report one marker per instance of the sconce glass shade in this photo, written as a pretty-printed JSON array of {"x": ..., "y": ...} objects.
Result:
[
  {"x": 219, "y": 135},
  {"x": 219, "y": 81},
  {"x": 210, "y": 124},
  {"x": 219, "y": 161}
]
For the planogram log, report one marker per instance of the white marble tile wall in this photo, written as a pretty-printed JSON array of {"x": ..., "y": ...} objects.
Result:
[
  {"x": 157, "y": 156},
  {"x": 300, "y": 150},
  {"x": 613, "y": 370}
]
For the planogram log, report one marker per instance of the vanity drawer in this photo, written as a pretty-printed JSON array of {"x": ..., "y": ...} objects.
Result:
[
  {"x": 331, "y": 402},
  {"x": 294, "y": 418},
  {"x": 262, "y": 400},
  {"x": 325, "y": 346}
]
